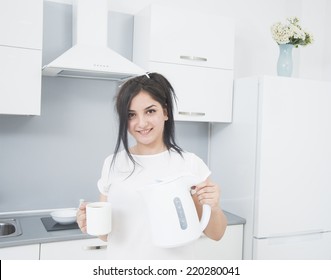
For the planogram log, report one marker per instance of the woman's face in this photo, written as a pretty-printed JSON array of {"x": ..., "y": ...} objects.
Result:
[{"x": 146, "y": 119}]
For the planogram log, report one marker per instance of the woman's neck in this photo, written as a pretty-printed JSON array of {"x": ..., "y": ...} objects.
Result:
[{"x": 147, "y": 150}]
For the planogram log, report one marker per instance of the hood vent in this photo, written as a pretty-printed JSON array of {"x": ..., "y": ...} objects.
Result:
[{"x": 90, "y": 57}]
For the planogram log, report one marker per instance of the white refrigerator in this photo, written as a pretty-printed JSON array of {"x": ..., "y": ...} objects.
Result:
[{"x": 273, "y": 163}]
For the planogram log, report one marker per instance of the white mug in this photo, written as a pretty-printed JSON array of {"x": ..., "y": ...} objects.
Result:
[{"x": 98, "y": 218}]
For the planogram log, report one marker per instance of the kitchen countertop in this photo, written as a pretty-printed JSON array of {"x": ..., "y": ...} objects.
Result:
[
  {"x": 34, "y": 232},
  {"x": 234, "y": 219}
]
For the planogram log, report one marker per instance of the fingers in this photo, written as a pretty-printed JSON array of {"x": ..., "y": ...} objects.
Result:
[
  {"x": 82, "y": 206},
  {"x": 208, "y": 193},
  {"x": 81, "y": 217}
]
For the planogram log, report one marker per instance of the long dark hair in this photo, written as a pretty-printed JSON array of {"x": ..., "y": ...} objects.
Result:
[{"x": 160, "y": 89}]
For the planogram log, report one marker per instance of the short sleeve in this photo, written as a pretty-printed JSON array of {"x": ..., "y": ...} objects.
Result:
[
  {"x": 199, "y": 167},
  {"x": 104, "y": 181}
]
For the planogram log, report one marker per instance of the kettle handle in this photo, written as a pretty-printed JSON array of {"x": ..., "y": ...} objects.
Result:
[{"x": 206, "y": 212}]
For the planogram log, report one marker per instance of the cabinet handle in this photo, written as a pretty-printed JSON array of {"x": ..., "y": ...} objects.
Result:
[
  {"x": 97, "y": 247},
  {"x": 197, "y": 114},
  {"x": 195, "y": 58}
]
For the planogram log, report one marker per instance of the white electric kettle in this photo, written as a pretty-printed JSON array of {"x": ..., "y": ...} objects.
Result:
[{"x": 173, "y": 217}]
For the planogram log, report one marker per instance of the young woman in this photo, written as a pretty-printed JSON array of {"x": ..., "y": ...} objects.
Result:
[{"x": 145, "y": 108}]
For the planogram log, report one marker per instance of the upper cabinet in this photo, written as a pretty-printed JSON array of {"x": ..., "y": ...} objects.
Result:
[
  {"x": 21, "y": 23},
  {"x": 20, "y": 56},
  {"x": 195, "y": 52}
]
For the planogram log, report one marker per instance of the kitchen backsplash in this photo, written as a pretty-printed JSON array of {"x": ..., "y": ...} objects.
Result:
[{"x": 53, "y": 160}]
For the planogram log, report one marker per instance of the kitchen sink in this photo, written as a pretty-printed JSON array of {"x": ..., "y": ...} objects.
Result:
[{"x": 10, "y": 228}]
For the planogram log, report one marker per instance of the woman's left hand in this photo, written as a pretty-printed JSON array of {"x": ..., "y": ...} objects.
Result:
[{"x": 208, "y": 192}]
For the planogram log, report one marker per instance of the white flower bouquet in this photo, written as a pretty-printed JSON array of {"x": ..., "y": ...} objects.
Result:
[{"x": 291, "y": 33}]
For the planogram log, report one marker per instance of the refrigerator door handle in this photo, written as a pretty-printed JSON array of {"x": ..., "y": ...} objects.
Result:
[{"x": 310, "y": 234}]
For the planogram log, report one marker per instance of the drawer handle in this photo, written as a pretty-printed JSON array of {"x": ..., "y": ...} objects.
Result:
[
  {"x": 97, "y": 247},
  {"x": 197, "y": 114},
  {"x": 195, "y": 58}
]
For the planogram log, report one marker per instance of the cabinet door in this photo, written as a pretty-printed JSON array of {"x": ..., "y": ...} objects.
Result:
[
  {"x": 27, "y": 252},
  {"x": 21, "y": 23},
  {"x": 191, "y": 38},
  {"x": 84, "y": 249},
  {"x": 315, "y": 246},
  {"x": 204, "y": 94},
  {"x": 228, "y": 248},
  {"x": 20, "y": 81}
]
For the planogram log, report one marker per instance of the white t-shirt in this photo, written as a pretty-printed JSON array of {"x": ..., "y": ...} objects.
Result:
[{"x": 130, "y": 237}]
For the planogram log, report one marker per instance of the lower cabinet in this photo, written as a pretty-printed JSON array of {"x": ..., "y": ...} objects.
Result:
[
  {"x": 26, "y": 252},
  {"x": 228, "y": 248},
  {"x": 83, "y": 249}
]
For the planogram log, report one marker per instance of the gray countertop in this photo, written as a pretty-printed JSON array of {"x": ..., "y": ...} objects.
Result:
[
  {"x": 234, "y": 219},
  {"x": 34, "y": 232}
]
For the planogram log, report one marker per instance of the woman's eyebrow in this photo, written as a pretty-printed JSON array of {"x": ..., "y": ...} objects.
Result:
[{"x": 149, "y": 107}]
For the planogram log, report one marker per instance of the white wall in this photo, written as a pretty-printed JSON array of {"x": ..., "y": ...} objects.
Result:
[
  {"x": 312, "y": 57},
  {"x": 327, "y": 46}
]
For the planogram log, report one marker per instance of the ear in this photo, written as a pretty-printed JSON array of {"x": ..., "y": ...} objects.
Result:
[{"x": 165, "y": 113}]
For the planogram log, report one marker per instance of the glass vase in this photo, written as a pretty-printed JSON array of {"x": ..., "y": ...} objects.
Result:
[{"x": 285, "y": 61}]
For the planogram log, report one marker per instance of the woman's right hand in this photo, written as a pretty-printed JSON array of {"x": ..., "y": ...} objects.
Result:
[{"x": 81, "y": 217}]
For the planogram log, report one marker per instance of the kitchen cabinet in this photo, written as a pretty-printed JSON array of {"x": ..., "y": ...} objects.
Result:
[
  {"x": 21, "y": 23},
  {"x": 26, "y": 252},
  {"x": 195, "y": 52},
  {"x": 83, "y": 249},
  {"x": 230, "y": 247},
  {"x": 20, "y": 86},
  {"x": 20, "y": 56}
]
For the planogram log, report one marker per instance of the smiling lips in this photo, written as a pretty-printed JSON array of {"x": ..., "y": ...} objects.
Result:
[{"x": 145, "y": 131}]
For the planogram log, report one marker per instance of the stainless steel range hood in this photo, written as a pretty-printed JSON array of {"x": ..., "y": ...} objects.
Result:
[{"x": 90, "y": 57}]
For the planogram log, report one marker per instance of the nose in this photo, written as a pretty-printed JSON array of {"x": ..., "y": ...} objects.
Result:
[{"x": 142, "y": 121}]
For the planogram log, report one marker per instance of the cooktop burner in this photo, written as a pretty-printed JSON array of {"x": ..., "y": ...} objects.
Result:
[{"x": 51, "y": 225}]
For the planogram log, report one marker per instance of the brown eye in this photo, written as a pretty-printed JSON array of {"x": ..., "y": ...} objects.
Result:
[
  {"x": 131, "y": 116},
  {"x": 151, "y": 111}
]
